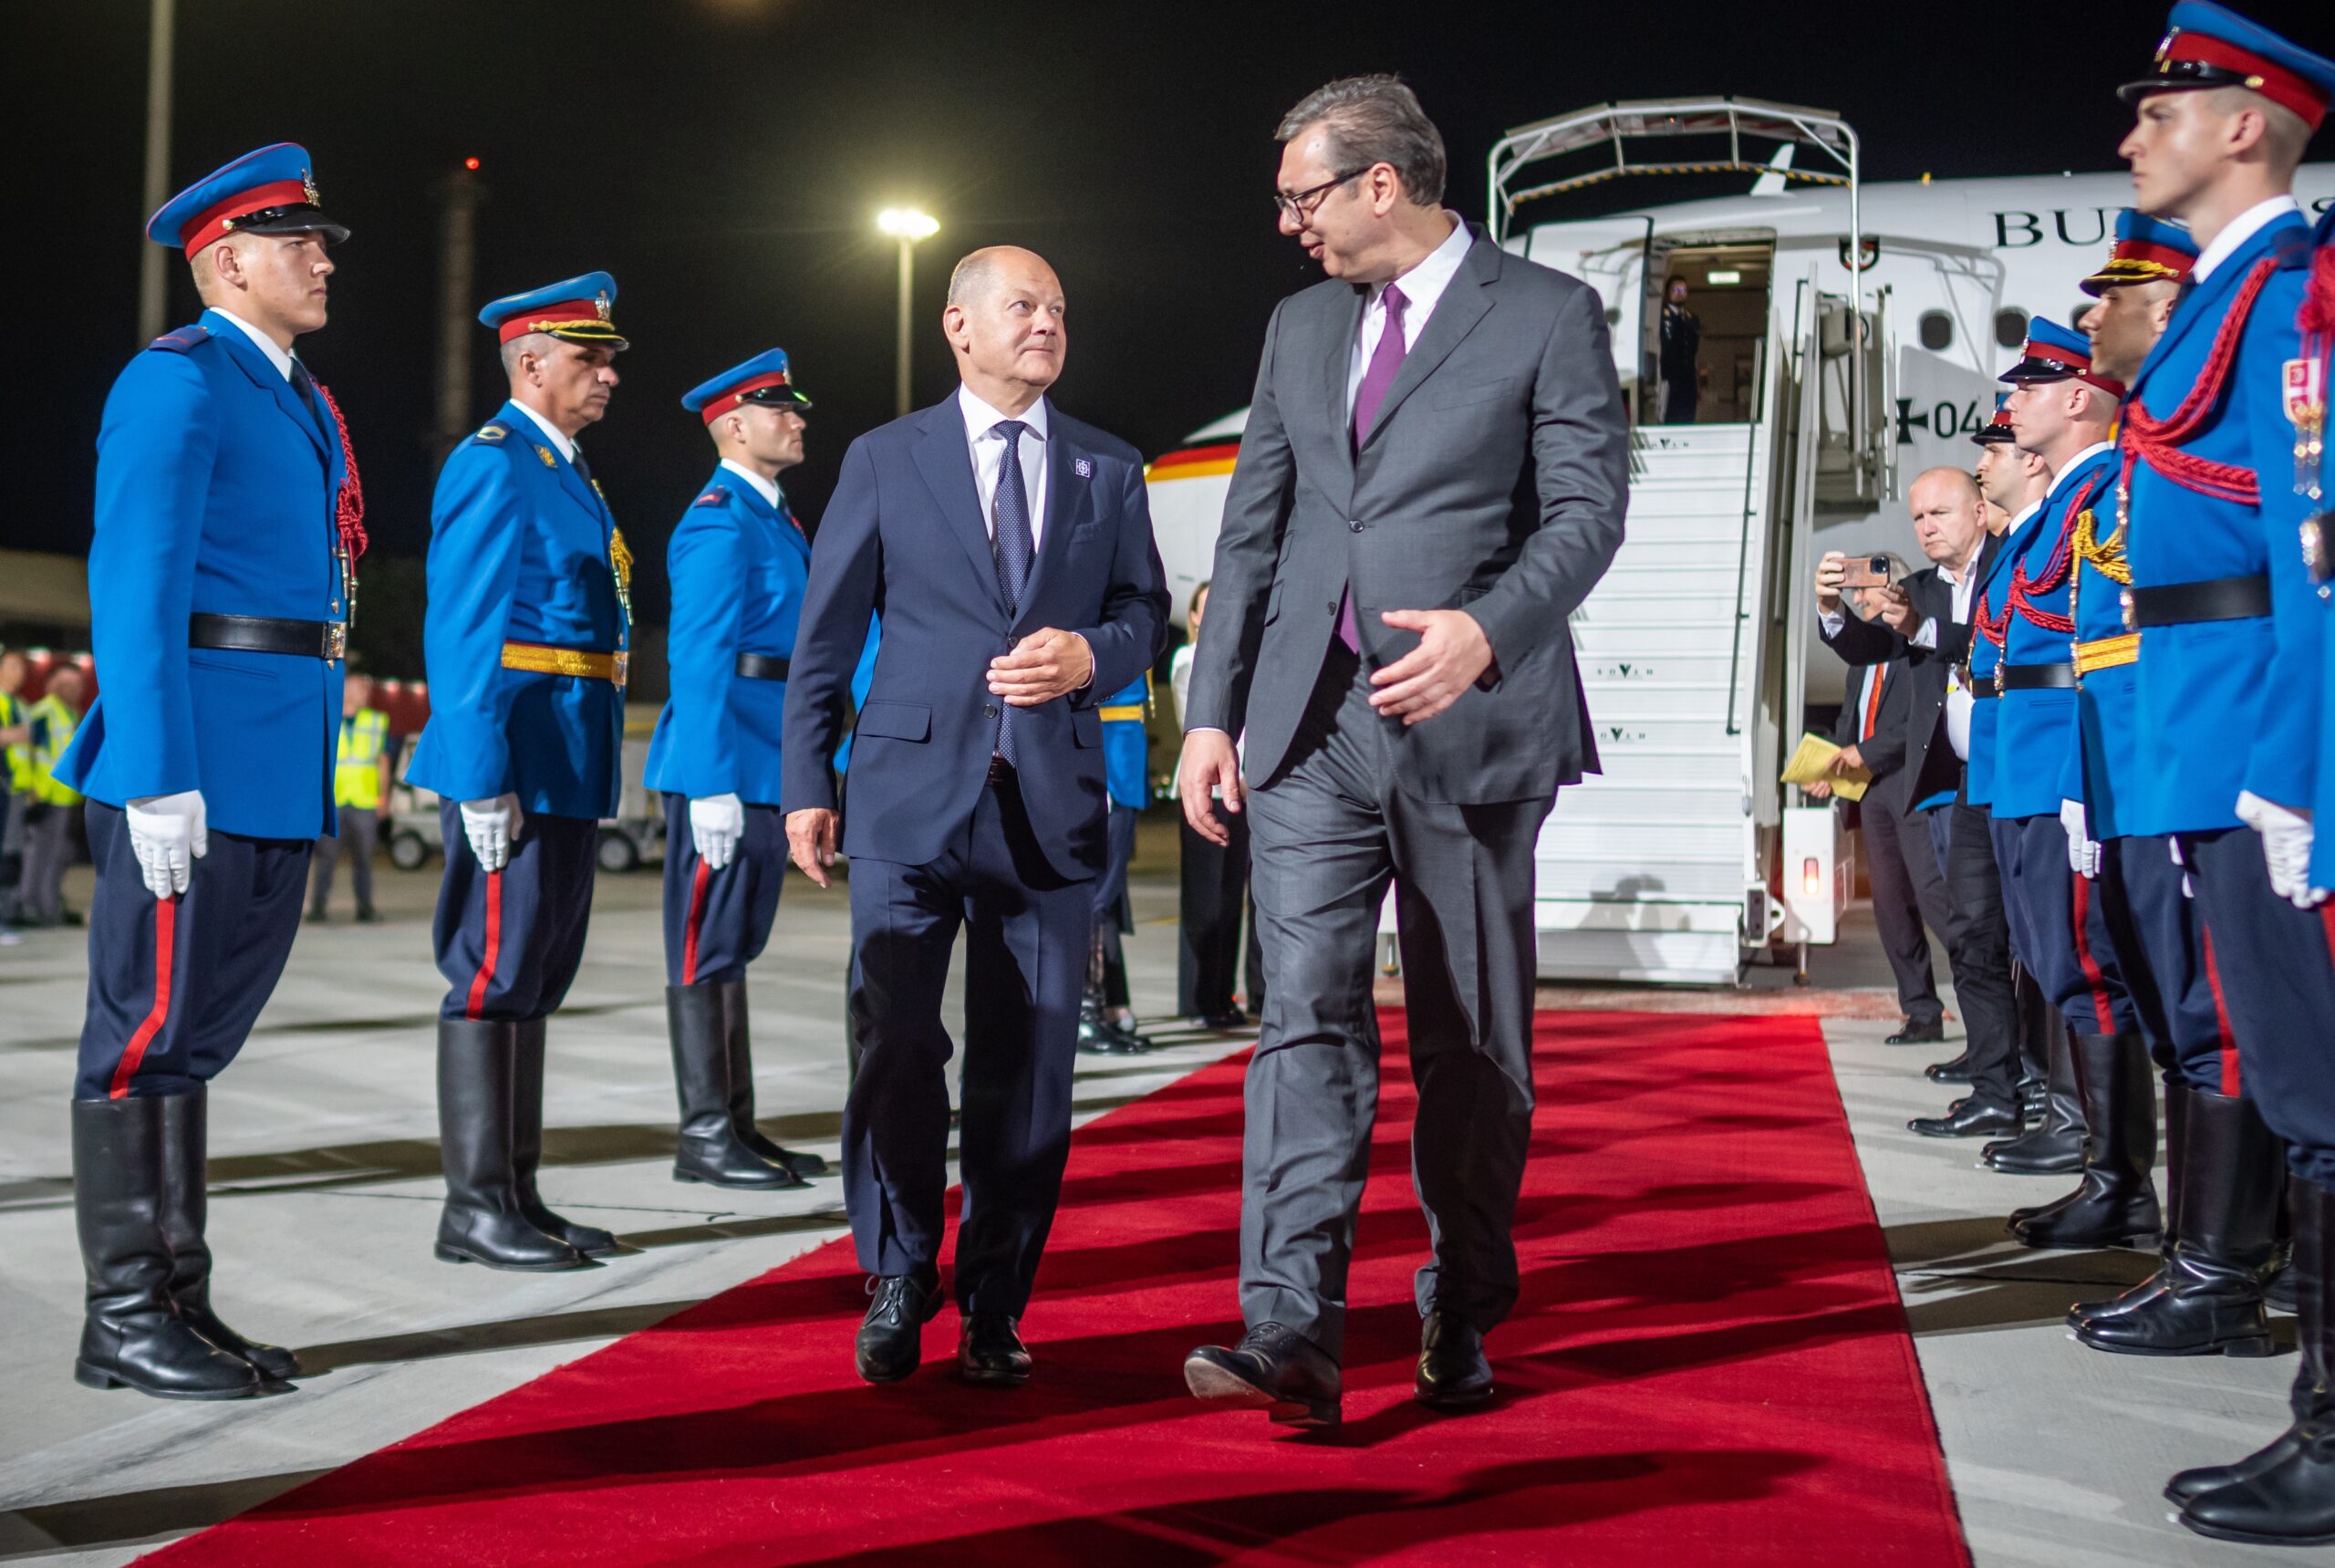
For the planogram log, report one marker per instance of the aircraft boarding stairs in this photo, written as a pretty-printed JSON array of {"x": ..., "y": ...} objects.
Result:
[{"x": 1651, "y": 870}]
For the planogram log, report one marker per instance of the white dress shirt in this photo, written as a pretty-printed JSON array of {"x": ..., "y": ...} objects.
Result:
[
  {"x": 559, "y": 440},
  {"x": 1958, "y": 700},
  {"x": 988, "y": 449},
  {"x": 277, "y": 355},
  {"x": 765, "y": 488},
  {"x": 1423, "y": 287},
  {"x": 2242, "y": 228}
]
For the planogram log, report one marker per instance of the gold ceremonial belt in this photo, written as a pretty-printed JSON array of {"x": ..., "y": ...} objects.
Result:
[
  {"x": 538, "y": 659},
  {"x": 2107, "y": 652},
  {"x": 1124, "y": 710}
]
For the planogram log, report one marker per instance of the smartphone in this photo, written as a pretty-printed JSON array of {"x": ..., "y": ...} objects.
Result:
[{"x": 1872, "y": 572}]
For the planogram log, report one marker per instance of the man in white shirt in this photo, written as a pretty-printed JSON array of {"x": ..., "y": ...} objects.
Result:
[{"x": 1011, "y": 548}]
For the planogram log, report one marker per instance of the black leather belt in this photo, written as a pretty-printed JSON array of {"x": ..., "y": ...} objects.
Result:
[
  {"x": 2035, "y": 677},
  {"x": 2177, "y": 604},
  {"x": 1000, "y": 770},
  {"x": 326, "y": 639},
  {"x": 761, "y": 667}
]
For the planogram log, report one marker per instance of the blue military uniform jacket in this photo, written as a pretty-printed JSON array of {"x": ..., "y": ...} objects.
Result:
[
  {"x": 2099, "y": 768},
  {"x": 521, "y": 549},
  {"x": 2035, "y": 729},
  {"x": 1126, "y": 746},
  {"x": 217, "y": 480},
  {"x": 1988, "y": 599},
  {"x": 738, "y": 566},
  {"x": 2218, "y": 709}
]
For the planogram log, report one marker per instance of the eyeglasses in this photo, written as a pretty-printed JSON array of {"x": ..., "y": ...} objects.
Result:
[{"x": 1300, "y": 205}]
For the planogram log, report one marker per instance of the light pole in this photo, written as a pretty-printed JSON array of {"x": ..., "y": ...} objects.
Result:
[
  {"x": 150, "y": 283},
  {"x": 907, "y": 225}
]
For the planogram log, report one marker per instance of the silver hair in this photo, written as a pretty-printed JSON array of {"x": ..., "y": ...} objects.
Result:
[{"x": 1371, "y": 120}]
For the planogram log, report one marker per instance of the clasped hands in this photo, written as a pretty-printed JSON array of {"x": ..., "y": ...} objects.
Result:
[{"x": 1046, "y": 664}]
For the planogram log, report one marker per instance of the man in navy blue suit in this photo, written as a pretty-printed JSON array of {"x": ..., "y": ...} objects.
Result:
[{"x": 1010, "y": 550}]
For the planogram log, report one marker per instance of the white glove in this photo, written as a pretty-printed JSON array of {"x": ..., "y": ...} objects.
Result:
[
  {"x": 492, "y": 826},
  {"x": 2286, "y": 848},
  {"x": 2084, "y": 849},
  {"x": 716, "y": 824},
  {"x": 169, "y": 833}
]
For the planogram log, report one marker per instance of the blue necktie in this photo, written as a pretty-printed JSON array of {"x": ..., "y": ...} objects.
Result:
[{"x": 1015, "y": 550}]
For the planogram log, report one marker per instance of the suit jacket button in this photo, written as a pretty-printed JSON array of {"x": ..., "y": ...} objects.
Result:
[
  {"x": 989, "y": 710},
  {"x": 1355, "y": 526}
]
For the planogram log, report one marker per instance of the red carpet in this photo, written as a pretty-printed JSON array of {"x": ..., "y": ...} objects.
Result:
[{"x": 1710, "y": 1364}]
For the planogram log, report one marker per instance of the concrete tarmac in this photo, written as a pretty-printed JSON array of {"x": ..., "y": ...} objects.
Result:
[{"x": 325, "y": 1192}]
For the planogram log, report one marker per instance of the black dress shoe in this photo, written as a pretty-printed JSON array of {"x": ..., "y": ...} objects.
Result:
[
  {"x": 369, "y": 915},
  {"x": 316, "y": 917},
  {"x": 1928, "y": 1033},
  {"x": 891, "y": 1342},
  {"x": 1954, "y": 1070},
  {"x": 990, "y": 1352},
  {"x": 1968, "y": 1117},
  {"x": 1274, "y": 1369},
  {"x": 1453, "y": 1370},
  {"x": 1230, "y": 1017}
]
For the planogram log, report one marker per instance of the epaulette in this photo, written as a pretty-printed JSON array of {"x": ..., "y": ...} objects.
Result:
[
  {"x": 2293, "y": 248},
  {"x": 490, "y": 433},
  {"x": 185, "y": 340},
  {"x": 717, "y": 496}
]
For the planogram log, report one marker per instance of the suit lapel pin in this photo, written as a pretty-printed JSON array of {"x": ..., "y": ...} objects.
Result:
[{"x": 1082, "y": 467}]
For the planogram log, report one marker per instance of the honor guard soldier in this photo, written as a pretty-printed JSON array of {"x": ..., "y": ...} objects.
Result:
[
  {"x": 1105, "y": 1020},
  {"x": 737, "y": 563},
  {"x": 2225, "y": 1171},
  {"x": 2063, "y": 413},
  {"x": 528, "y": 627},
  {"x": 228, "y": 526},
  {"x": 2050, "y": 1139},
  {"x": 2231, "y": 632}
]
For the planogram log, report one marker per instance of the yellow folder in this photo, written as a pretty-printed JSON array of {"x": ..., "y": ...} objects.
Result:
[{"x": 1813, "y": 761}]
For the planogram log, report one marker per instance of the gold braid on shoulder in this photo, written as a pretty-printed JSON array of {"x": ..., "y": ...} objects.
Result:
[
  {"x": 2106, "y": 557},
  {"x": 620, "y": 563}
]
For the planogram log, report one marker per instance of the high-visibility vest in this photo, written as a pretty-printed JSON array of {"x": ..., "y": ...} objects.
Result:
[
  {"x": 53, "y": 727},
  {"x": 15, "y": 761},
  {"x": 357, "y": 774}
]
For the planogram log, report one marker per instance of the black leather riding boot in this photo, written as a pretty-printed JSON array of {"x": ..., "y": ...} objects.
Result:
[
  {"x": 738, "y": 1036},
  {"x": 2116, "y": 1205},
  {"x": 2052, "y": 1142},
  {"x": 483, "y": 1220},
  {"x": 2226, "y": 1177},
  {"x": 132, "y": 1335},
  {"x": 184, "y": 1212},
  {"x": 2285, "y": 1495},
  {"x": 710, "y": 1150},
  {"x": 527, "y": 1149}
]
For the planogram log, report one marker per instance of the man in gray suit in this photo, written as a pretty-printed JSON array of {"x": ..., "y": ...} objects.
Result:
[{"x": 1433, "y": 476}]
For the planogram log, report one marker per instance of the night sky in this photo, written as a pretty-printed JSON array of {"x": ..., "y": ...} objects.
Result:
[{"x": 724, "y": 160}]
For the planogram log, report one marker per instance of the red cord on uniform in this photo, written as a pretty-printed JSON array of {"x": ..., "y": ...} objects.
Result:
[{"x": 348, "y": 507}]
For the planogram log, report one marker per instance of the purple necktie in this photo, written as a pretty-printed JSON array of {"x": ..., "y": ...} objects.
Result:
[{"x": 1378, "y": 377}]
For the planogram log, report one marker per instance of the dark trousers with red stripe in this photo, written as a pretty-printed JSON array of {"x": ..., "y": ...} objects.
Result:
[
  {"x": 2161, "y": 941},
  {"x": 174, "y": 986},
  {"x": 509, "y": 942},
  {"x": 717, "y": 922},
  {"x": 2274, "y": 975},
  {"x": 2059, "y": 928}
]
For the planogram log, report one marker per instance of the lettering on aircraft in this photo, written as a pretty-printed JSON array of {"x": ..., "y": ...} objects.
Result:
[
  {"x": 2084, "y": 226},
  {"x": 1941, "y": 420}
]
